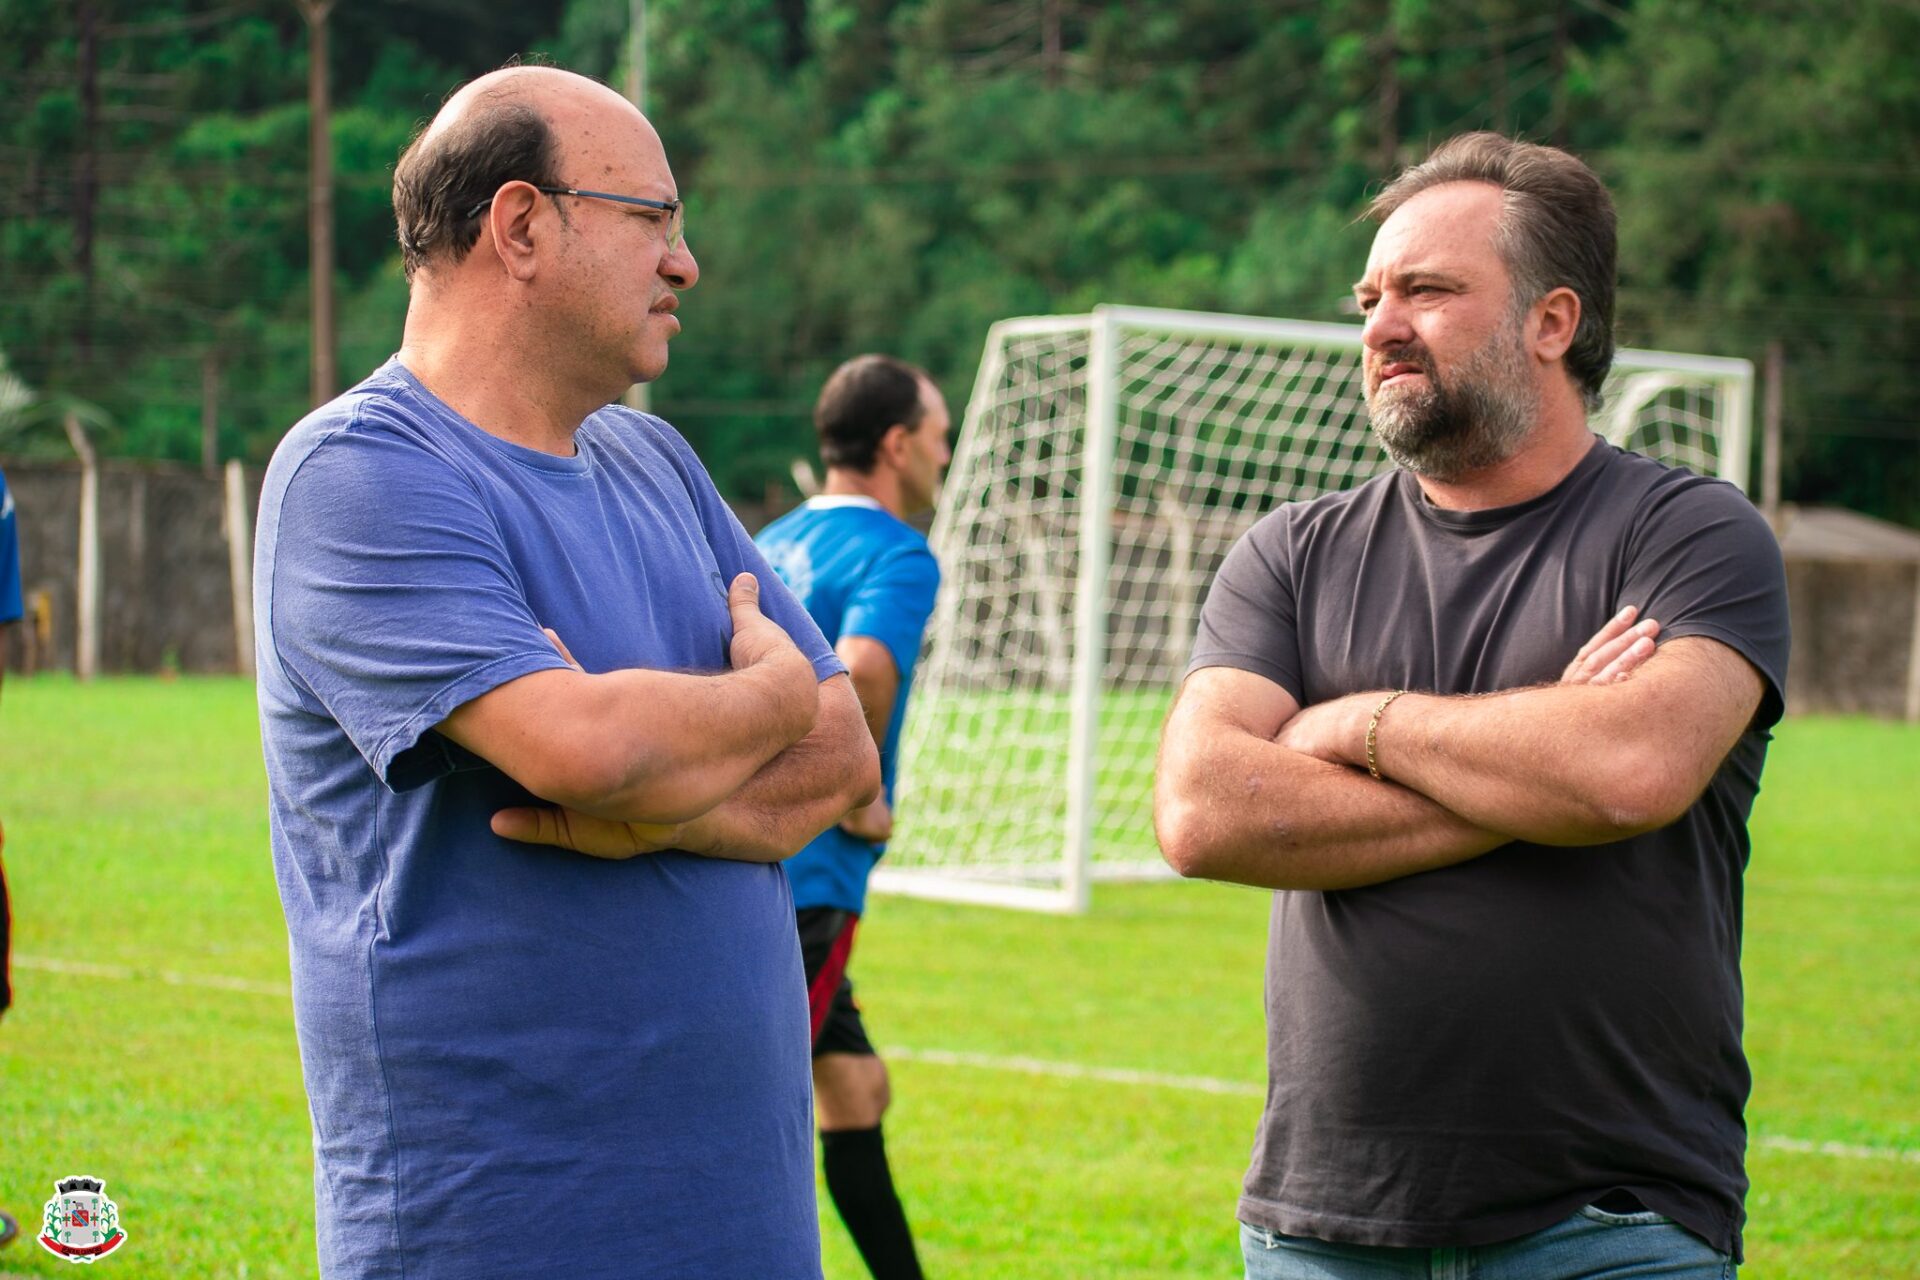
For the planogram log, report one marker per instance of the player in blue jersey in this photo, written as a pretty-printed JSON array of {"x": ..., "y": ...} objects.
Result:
[
  {"x": 868, "y": 579},
  {"x": 10, "y": 611},
  {"x": 11, "y": 603}
]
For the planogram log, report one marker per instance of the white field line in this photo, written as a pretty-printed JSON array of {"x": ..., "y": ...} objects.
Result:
[
  {"x": 1844, "y": 1150},
  {"x": 85, "y": 969},
  {"x": 1244, "y": 1089},
  {"x": 1899, "y": 887},
  {"x": 940, "y": 1057},
  {"x": 1079, "y": 1071}
]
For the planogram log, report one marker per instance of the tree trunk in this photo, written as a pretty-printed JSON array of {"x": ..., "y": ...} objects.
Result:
[
  {"x": 325, "y": 358},
  {"x": 1050, "y": 43},
  {"x": 209, "y": 412},
  {"x": 1770, "y": 439},
  {"x": 86, "y": 175},
  {"x": 1557, "y": 126},
  {"x": 1388, "y": 106},
  {"x": 639, "y": 396}
]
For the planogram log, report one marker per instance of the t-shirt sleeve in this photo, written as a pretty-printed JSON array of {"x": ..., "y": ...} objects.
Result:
[
  {"x": 394, "y": 600},
  {"x": 1702, "y": 562},
  {"x": 736, "y": 554},
  {"x": 12, "y": 606},
  {"x": 893, "y": 602},
  {"x": 1249, "y": 621}
]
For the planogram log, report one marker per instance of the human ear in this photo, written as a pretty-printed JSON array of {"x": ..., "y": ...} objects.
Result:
[
  {"x": 1559, "y": 320},
  {"x": 893, "y": 443},
  {"x": 510, "y": 225}
]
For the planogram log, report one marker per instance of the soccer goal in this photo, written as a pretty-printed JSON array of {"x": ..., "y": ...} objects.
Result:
[{"x": 1106, "y": 464}]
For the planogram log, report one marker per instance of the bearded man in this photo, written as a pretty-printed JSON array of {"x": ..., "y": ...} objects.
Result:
[{"x": 1503, "y": 987}]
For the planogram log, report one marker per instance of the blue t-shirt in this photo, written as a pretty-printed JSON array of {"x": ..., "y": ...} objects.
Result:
[
  {"x": 11, "y": 606},
  {"x": 521, "y": 1061},
  {"x": 861, "y": 572}
]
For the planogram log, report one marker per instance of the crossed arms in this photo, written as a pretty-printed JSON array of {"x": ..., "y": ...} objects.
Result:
[
  {"x": 747, "y": 765},
  {"x": 1251, "y": 788}
]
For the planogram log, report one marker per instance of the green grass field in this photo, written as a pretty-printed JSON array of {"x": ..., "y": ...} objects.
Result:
[{"x": 152, "y": 1045}]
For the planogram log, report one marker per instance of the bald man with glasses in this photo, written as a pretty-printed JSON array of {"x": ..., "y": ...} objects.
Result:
[{"x": 540, "y": 725}]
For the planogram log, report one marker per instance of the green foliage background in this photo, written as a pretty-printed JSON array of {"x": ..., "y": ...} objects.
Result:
[{"x": 897, "y": 174}]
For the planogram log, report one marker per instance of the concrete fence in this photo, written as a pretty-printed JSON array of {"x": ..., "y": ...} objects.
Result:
[{"x": 133, "y": 566}]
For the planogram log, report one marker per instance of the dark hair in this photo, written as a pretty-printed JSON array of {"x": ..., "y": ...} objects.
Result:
[
  {"x": 1557, "y": 227},
  {"x": 864, "y": 397},
  {"x": 440, "y": 178}
]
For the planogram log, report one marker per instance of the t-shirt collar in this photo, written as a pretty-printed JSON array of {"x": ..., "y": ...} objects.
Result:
[
  {"x": 1495, "y": 517},
  {"x": 828, "y": 501}
]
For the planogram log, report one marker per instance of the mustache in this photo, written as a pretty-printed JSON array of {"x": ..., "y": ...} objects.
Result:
[{"x": 1414, "y": 353}]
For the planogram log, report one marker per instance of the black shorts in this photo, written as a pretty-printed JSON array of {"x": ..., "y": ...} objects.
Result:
[{"x": 826, "y": 940}]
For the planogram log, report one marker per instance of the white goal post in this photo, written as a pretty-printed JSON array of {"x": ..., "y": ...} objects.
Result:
[{"x": 1106, "y": 464}]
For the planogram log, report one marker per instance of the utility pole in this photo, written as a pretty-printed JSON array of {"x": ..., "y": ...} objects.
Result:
[
  {"x": 637, "y": 53},
  {"x": 1774, "y": 376},
  {"x": 1387, "y": 108},
  {"x": 1557, "y": 129},
  {"x": 640, "y": 395},
  {"x": 209, "y": 411},
  {"x": 325, "y": 358},
  {"x": 1050, "y": 42},
  {"x": 1501, "y": 86},
  {"x": 86, "y": 184}
]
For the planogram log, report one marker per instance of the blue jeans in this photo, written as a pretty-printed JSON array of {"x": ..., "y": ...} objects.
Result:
[{"x": 1591, "y": 1245}]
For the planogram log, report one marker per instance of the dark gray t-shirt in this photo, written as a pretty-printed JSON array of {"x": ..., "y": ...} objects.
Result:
[{"x": 1470, "y": 1054}]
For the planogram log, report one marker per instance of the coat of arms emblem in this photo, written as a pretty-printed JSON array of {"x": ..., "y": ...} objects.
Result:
[{"x": 82, "y": 1224}]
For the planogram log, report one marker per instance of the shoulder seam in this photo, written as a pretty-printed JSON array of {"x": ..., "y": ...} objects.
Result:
[{"x": 273, "y": 578}]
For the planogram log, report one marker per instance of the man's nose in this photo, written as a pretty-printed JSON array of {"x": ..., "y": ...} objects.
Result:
[
  {"x": 1386, "y": 325},
  {"x": 679, "y": 268}
]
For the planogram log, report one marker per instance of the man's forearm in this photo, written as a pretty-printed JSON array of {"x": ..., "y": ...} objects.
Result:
[
  {"x": 1551, "y": 765},
  {"x": 799, "y": 793},
  {"x": 727, "y": 728},
  {"x": 1565, "y": 764},
  {"x": 1249, "y": 811},
  {"x": 794, "y": 797},
  {"x": 638, "y": 745}
]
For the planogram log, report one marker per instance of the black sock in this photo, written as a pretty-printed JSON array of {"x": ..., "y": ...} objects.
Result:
[{"x": 862, "y": 1189}]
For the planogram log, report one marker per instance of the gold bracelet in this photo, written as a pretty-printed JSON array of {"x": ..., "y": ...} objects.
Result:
[{"x": 1373, "y": 734}]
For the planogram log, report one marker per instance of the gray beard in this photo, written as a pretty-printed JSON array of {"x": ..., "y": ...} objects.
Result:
[{"x": 1478, "y": 417}]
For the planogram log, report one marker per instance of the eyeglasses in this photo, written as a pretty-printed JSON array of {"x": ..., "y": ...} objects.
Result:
[{"x": 675, "y": 210}]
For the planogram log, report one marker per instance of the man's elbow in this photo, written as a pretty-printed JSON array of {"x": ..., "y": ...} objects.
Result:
[
  {"x": 863, "y": 771},
  {"x": 1643, "y": 793},
  {"x": 568, "y": 776},
  {"x": 611, "y": 769},
  {"x": 841, "y": 734},
  {"x": 1184, "y": 824},
  {"x": 851, "y": 777},
  {"x": 1180, "y": 827}
]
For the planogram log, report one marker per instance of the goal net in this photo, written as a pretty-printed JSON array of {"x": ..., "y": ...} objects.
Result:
[{"x": 1106, "y": 464}]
